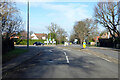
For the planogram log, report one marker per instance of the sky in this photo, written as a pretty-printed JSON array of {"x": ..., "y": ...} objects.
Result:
[{"x": 64, "y": 14}]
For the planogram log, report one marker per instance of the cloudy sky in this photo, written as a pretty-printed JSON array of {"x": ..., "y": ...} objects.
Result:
[{"x": 65, "y": 14}]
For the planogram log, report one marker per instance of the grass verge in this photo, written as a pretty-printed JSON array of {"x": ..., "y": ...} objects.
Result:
[{"x": 12, "y": 54}]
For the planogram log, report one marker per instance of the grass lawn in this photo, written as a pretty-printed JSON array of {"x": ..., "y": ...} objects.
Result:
[{"x": 12, "y": 54}]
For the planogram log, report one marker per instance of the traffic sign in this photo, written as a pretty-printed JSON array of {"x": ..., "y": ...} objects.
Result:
[{"x": 49, "y": 39}]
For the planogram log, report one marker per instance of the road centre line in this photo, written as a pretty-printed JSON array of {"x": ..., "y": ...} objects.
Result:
[
  {"x": 65, "y": 53},
  {"x": 67, "y": 59},
  {"x": 50, "y": 50}
]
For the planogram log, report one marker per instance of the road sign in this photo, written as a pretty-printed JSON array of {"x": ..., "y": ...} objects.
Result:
[
  {"x": 49, "y": 39},
  {"x": 54, "y": 41}
]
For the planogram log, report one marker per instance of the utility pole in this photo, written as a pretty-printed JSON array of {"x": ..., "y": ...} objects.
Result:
[{"x": 28, "y": 25}]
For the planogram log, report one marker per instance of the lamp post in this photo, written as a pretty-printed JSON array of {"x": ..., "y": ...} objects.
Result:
[{"x": 28, "y": 25}]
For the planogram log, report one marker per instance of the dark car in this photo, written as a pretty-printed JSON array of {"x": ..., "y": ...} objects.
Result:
[{"x": 38, "y": 43}]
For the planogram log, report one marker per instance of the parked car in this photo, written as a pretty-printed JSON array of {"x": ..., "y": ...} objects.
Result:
[{"x": 38, "y": 43}]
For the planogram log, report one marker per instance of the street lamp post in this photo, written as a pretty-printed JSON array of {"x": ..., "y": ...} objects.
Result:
[{"x": 28, "y": 25}]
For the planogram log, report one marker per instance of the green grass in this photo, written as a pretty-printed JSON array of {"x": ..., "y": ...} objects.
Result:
[{"x": 12, "y": 54}]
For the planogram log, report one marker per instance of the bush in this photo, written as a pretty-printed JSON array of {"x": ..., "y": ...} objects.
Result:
[{"x": 24, "y": 41}]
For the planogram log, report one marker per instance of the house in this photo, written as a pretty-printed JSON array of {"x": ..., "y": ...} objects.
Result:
[
  {"x": 39, "y": 36},
  {"x": 11, "y": 36},
  {"x": 104, "y": 36}
]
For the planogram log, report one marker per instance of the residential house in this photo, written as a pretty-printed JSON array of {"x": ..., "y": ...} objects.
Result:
[
  {"x": 39, "y": 36},
  {"x": 104, "y": 36},
  {"x": 11, "y": 36}
]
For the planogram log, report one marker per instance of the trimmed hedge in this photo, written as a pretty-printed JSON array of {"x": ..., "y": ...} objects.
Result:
[{"x": 24, "y": 42}]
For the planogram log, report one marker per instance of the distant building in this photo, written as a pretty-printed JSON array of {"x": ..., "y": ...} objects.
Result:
[
  {"x": 104, "y": 36},
  {"x": 39, "y": 36}
]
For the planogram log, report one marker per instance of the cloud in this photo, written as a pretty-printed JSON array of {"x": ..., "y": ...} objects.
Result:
[
  {"x": 66, "y": 15},
  {"x": 71, "y": 12}
]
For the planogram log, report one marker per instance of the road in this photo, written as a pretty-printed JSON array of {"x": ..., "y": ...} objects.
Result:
[
  {"x": 60, "y": 62},
  {"x": 108, "y": 51}
]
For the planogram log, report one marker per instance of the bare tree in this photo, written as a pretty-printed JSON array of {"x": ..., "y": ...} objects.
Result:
[
  {"x": 91, "y": 28},
  {"x": 106, "y": 13},
  {"x": 61, "y": 35},
  {"x": 11, "y": 21},
  {"x": 56, "y": 32},
  {"x": 80, "y": 30},
  {"x": 85, "y": 29},
  {"x": 53, "y": 28}
]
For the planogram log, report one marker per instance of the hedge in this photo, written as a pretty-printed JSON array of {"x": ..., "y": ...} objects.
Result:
[{"x": 24, "y": 42}]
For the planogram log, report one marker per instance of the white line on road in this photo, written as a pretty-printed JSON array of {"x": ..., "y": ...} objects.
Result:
[
  {"x": 106, "y": 59},
  {"x": 65, "y": 53},
  {"x": 50, "y": 50},
  {"x": 89, "y": 53},
  {"x": 67, "y": 59},
  {"x": 67, "y": 49}
]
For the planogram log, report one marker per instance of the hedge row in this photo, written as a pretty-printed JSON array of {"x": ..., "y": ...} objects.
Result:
[{"x": 24, "y": 42}]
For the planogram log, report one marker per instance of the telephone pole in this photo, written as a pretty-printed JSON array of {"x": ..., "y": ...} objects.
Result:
[{"x": 28, "y": 25}]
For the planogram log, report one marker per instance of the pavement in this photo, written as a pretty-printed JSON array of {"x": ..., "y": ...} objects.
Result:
[
  {"x": 20, "y": 59},
  {"x": 59, "y": 62}
]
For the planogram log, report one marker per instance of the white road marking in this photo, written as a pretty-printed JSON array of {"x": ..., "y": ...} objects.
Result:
[
  {"x": 106, "y": 59},
  {"x": 67, "y": 49},
  {"x": 65, "y": 53},
  {"x": 64, "y": 49},
  {"x": 89, "y": 53},
  {"x": 50, "y": 50},
  {"x": 67, "y": 59}
]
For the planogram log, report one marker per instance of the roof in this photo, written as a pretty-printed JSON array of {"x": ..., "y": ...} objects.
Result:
[{"x": 40, "y": 35}]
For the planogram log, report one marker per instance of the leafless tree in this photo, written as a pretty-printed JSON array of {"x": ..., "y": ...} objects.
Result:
[
  {"x": 106, "y": 13},
  {"x": 85, "y": 29},
  {"x": 59, "y": 33},
  {"x": 53, "y": 28},
  {"x": 10, "y": 18}
]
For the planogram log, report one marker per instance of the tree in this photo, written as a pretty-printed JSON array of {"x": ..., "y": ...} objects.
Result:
[
  {"x": 59, "y": 34},
  {"x": 106, "y": 13},
  {"x": 53, "y": 29},
  {"x": 85, "y": 29},
  {"x": 10, "y": 18},
  {"x": 80, "y": 30},
  {"x": 91, "y": 28}
]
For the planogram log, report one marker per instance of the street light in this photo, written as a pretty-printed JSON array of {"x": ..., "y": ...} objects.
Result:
[{"x": 28, "y": 25}]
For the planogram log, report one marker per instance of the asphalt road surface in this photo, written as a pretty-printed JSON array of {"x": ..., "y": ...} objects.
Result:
[
  {"x": 109, "y": 52},
  {"x": 56, "y": 62}
]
